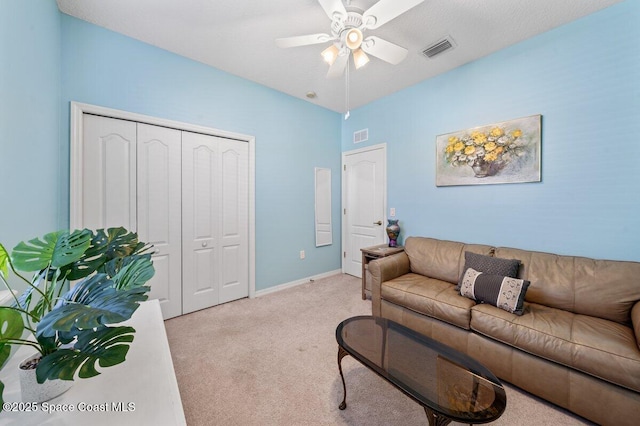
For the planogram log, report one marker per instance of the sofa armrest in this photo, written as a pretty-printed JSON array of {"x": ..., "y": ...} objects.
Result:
[
  {"x": 385, "y": 269},
  {"x": 635, "y": 320}
]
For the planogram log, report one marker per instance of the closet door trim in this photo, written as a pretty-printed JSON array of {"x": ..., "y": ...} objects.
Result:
[{"x": 75, "y": 179}]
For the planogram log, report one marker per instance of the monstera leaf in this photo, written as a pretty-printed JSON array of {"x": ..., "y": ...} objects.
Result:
[
  {"x": 134, "y": 271},
  {"x": 11, "y": 327},
  {"x": 87, "y": 290},
  {"x": 115, "y": 243},
  {"x": 4, "y": 260},
  {"x": 106, "y": 346},
  {"x": 92, "y": 304},
  {"x": 56, "y": 249},
  {"x": 122, "y": 243}
]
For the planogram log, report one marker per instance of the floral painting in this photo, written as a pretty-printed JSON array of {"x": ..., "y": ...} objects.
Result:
[{"x": 507, "y": 152}]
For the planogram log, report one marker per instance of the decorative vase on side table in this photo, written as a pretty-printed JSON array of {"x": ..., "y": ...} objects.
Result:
[{"x": 393, "y": 230}]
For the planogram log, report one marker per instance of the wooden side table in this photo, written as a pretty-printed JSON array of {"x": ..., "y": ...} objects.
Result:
[{"x": 372, "y": 253}]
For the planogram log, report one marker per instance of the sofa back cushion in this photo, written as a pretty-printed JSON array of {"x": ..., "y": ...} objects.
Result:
[
  {"x": 440, "y": 259},
  {"x": 601, "y": 288}
]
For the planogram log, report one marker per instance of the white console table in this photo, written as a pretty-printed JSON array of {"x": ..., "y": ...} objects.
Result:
[{"x": 145, "y": 382}]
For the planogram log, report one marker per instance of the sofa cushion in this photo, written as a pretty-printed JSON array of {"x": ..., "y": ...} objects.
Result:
[
  {"x": 601, "y": 288},
  {"x": 503, "y": 292},
  {"x": 429, "y": 296},
  {"x": 440, "y": 259},
  {"x": 595, "y": 346},
  {"x": 490, "y": 265}
]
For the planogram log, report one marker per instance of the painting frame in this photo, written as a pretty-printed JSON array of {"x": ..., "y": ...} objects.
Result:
[{"x": 503, "y": 152}]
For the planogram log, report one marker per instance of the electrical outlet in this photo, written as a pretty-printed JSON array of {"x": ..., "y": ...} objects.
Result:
[
  {"x": 392, "y": 212},
  {"x": 301, "y": 254}
]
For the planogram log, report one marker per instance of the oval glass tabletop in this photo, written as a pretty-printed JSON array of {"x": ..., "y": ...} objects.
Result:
[{"x": 446, "y": 382}]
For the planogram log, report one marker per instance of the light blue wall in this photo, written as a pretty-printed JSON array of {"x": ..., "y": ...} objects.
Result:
[
  {"x": 104, "y": 68},
  {"x": 584, "y": 78},
  {"x": 29, "y": 119}
]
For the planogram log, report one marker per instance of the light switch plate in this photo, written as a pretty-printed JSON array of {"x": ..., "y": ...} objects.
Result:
[{"x": 392, "y": 212}]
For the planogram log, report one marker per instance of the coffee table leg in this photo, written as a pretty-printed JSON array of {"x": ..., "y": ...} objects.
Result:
[
  {"x": 341, "y": 354},
  {"x": 436, "y": 419}
]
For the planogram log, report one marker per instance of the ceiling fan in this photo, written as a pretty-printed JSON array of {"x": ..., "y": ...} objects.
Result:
[{"x": 347, "y": 34}]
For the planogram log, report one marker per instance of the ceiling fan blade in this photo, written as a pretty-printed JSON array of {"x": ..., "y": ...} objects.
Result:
[
  {"x": 332, "y": 7},
  {"x": 337, "y": 69},
  {"x": 303, "y": 40},
  {"x": 384, "y": 50},
  {"x": 386, "y": 10}
]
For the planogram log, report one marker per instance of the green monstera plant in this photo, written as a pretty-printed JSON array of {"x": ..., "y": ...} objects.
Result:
[{"x": 73, "y": 329}]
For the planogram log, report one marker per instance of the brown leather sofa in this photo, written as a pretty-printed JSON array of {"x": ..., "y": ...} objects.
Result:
[{"x": 576, "y": 344}]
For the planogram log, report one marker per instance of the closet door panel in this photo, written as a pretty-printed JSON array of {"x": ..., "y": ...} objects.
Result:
[
  {"x": 200, "y": 201},
  {"x": 109, "y": 173},
  {"x": 160, "y": 213},
  {"x": 234, "y": 172}
]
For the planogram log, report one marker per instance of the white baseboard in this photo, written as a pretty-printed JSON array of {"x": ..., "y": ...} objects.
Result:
[{"x": 296, "y": 283}]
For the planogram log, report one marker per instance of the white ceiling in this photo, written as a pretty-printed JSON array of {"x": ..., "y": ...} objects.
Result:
[{"x": 238, "y": 37}]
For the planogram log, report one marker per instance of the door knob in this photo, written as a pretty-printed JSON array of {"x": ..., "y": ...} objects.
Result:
[{"x": 378, "y": 222}]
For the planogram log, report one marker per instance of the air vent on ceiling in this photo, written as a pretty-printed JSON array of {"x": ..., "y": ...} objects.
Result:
[
  {"x": 361, "y": 136},
  {"x": 438, "y": 47}
]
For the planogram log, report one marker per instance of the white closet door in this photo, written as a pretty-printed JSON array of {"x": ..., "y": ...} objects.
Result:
[
  {"x": 200, "y": 222},
  {"x": 234, "y": 227},
  {"x": 159, "y": 211},
  {"x": 109, "y": 173},
  {"x": 185, "y": 193},
  {"x": 215, "y": 185}
]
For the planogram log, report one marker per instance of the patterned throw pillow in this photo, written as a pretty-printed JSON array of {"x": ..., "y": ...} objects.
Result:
[
  {"x": 503, "y": 292},
  {"x": 489, "y": 265}
]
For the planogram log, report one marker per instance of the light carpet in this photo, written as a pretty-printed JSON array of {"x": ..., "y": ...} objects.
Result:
[{"x": 272, "y": 360}]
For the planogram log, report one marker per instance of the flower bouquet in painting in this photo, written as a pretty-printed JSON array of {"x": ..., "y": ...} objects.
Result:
[
  {"x": 508, "y": 151},
  {"x": 485, "y": 152}
]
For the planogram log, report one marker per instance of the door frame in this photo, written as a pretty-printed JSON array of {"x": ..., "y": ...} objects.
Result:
[
  {"x": 75, "y": 165},
  {"x": 345, "y": 154}
]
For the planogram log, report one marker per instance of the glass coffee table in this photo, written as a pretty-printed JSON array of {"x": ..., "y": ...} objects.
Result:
[{"x": 448, "y": 384}]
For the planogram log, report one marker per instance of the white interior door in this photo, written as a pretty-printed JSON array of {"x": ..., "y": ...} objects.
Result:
[
  {"x": 160, "y": 212},
  {"x": 108, "y": 194},
  {"x": 364, "y": 204}
]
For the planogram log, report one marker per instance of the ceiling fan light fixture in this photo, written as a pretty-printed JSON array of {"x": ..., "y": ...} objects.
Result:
[
  {"x": 353, "y": 39},
  {"x": 360, "y": 58},
  {"x": 330, "y": 54}
]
